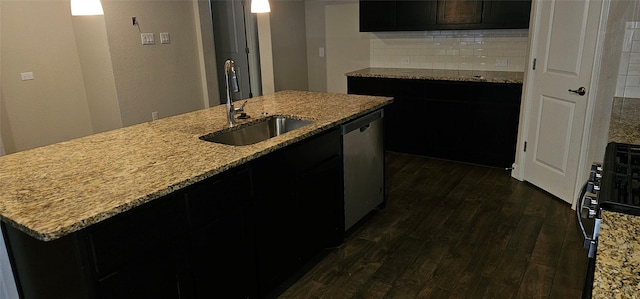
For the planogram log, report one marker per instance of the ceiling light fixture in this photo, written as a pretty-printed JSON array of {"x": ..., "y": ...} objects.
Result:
[
  {"x": 86, "y": 8},
  {"x": 260, "y": 6}
]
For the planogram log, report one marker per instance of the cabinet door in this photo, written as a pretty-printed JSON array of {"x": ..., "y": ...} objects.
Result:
[
  {"x": 128, "y": 237},
  {"x": 459, "y": 12},
  {"x": 163, "y": 273},
  {"x": 221, "y": 213},
  {"x": 377, "y": 15},
  {"x": 319, "y": 210},
  {"x": 506, "y": 13},
  {"x": 296, "y": 204},
  {"x": 276, "y": 216},
  {"x": 224, "y": 263},
  {"x": 411, "y": 14}
]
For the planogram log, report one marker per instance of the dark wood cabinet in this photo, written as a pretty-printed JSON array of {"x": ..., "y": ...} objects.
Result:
[
  {"x": 473, "y": 122},
  {"x": 300, "y": 207},
  {"x": 459, "y": 12},
  {"x": 408, "y": 15},
  {"x": 514, "y": 13},
  {"x": 222, "y": 212},
  {"x": 239, "y": 234},
  {"x": 377, "y": 15}
]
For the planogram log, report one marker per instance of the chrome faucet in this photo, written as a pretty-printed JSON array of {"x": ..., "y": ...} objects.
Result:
[{"x": 231, "y": 84}]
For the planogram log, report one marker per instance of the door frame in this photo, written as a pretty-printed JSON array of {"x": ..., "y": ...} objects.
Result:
[{"x": 518, "y": 170}]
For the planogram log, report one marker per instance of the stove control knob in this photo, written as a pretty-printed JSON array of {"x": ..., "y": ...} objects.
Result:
[
  {"x": 596, "y": 167},
  {"x": 592, "y": 213},
  {"x": 596, "y": 187}
]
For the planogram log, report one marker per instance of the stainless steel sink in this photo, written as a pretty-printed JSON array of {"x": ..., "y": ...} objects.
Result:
[{"x": 257, "y": 131}]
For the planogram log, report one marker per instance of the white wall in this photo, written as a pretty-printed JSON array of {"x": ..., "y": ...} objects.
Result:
[
  {"x": 289, "y": 48},
  {"x": 38, "y": 37},
  {"x": 92, "y": 74},
  {"x": 347, "y": 49},
  {"x": 629, "y": 72},
  {"x": 163, "y": 77}
]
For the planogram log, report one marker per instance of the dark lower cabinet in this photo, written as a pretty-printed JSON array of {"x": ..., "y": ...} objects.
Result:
[
  {"x": 475, "y": 122},
  {"x": 162, "y": 273},
  {"x": 222, "y": 218},
  {"x": 298, "y": 215},
  {"x": 239, "y": 234}
]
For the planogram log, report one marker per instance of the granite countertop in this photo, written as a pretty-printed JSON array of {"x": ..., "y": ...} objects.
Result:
[
  {"x": 51, "y": 191},
  {"x": 625, "y": 121},
  {"x": 442, "y": 75},
  {"x": 617, "y": 273}
]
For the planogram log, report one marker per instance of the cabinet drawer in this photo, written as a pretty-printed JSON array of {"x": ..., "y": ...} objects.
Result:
[
  {"x": 219, "y": 196},
  {"x": 136, "y": 233}
]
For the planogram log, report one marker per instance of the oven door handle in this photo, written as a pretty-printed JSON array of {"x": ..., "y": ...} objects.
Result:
[{"x": 587, "y": 239}]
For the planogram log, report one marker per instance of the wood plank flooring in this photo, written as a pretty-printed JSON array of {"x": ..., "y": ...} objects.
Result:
[{"x": 453, "y": 230}]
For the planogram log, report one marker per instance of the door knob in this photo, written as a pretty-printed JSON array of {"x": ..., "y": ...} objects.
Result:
[{"x": 580, "y": 91}]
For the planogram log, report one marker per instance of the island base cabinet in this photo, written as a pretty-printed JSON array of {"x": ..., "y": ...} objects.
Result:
[
  {"x": 239, "y": 234},
  {"x": 47, "y": 269},
  {"x": 222, "y": 217},
  {"x": 300, "y": 208},
  {"x": 165, "y": 273}
]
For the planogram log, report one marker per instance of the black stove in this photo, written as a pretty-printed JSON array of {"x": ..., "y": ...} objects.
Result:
[
  {"x": 620, "y": 184},
  {"x": 614, "y": 186}
]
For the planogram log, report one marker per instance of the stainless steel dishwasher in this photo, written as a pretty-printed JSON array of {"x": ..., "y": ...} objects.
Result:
[{"x": 363, "y": 157}]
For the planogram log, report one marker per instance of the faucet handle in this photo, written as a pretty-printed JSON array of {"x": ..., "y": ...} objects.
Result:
[{"x": 241, "y": 109}]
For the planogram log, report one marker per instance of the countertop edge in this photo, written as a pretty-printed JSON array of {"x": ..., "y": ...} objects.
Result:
[{"x": 441, "y": 75}]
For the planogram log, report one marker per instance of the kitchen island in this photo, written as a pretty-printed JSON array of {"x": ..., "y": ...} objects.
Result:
[{"x": 155, "y": 192}]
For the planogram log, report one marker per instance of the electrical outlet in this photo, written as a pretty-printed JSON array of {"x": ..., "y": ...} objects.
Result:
[
  {"x": 405, "y": 60},
  {"x": 502, "y": 61},
  {"x": 154, "y": 115}
]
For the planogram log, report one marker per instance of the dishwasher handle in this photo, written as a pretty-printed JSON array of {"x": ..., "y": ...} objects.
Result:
[{"x": 361, "y": 123}]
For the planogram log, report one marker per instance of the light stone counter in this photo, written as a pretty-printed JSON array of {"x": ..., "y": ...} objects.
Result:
[
  {"x": 52, "y": 191},
  {"x": 442, "y": 75},
  {"x": 617, "y": 273}
]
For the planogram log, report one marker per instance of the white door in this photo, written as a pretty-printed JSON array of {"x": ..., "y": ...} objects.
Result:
[{"x": 564, "y": 42}]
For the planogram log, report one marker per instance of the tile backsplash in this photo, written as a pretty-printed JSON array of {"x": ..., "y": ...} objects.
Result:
[
  {"x": 629, "y": 73},
  {"x": 487, "y": 50}
]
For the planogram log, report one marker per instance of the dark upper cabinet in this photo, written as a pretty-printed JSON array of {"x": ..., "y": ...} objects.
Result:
[
  {"x": 377, "y": 15},
  {"x": 414, "y": 15},
  {"x": 459, "y": 12},
  {"x": 506, "y": 13}
]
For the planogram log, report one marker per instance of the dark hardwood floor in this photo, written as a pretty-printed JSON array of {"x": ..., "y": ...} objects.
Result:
[{"x": 453, "y": 230}]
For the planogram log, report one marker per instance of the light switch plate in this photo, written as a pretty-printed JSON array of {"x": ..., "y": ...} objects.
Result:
[
  {"x": 26, "y": 76},
  {"x": 165, "y": 38},
  {"x": 147, "y": 38}
]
